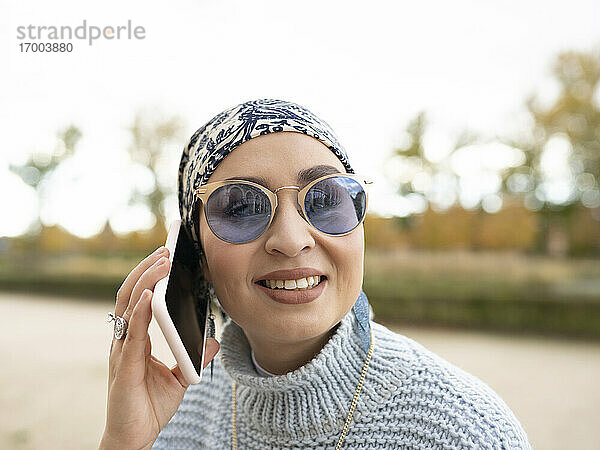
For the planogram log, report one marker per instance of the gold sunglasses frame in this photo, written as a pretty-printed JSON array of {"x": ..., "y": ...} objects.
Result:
[{"x": 203, "y": 193}]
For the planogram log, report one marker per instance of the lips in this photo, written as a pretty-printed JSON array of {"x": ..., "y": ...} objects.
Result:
[
  {"x": 294, "y": 297},
  {"x": 290, "y": 274}
]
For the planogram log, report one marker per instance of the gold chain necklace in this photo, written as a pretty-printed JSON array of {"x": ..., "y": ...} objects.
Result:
[{"x": 348, "y": 419}]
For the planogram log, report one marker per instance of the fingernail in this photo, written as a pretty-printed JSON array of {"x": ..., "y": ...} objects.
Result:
[{"x": 159, "y": 249}]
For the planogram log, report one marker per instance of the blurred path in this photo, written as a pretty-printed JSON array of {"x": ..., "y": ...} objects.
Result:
[
  {"x": 54, "y": 367},
  {"x": 53, "y": 379}
]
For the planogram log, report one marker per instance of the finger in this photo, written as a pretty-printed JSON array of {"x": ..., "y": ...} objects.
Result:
[
  {"x": 148, "y": 280},
  {"x": 177, "y": 372},
  {"x": 133, "y": 360},
  {"x": 142, "y": 283},
  {"x": 124, "y": 292},
  {"x": 148, "y": 349}
]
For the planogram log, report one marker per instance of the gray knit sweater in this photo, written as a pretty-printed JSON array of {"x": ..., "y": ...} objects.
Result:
[{"x": 411, "y": 398}]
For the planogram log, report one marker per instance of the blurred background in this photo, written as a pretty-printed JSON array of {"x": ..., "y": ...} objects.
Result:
[{"x": 478, "y": 121}]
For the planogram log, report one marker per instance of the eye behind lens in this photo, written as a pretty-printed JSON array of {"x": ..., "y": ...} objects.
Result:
[
  {"x": 335, "y": 205},
  {"x": 238, "y": 212}
]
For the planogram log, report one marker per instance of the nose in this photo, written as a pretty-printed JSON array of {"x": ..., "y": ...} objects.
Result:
[{"x": 289, "y": 232}]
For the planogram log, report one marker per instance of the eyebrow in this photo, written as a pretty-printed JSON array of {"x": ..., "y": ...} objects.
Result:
[{"x": 303, "y": 178}]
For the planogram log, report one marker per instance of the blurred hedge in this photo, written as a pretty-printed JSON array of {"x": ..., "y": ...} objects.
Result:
[
  {"x": 495, "y": 291},
  {"x": 520, "y": 311},
  {"x": 509, "y": 292}
]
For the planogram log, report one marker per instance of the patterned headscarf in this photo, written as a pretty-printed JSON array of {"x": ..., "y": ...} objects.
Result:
[{"x": 212, "y": 142}]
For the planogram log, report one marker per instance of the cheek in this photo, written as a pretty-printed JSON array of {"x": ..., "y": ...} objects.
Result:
[
  {"x": 230, "y": 267},
  {"x": 226, "y": 261},
  {"x": 348, "y": 257}
]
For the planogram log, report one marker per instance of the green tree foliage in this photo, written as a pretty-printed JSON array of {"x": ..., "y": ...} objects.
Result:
[
  {"x": 574, "y": 116},
  {"x": 152, "y": 134},
  {"x": 573, "y": 119},
  {"x": 433, "y": 181},
  {"x": 38, "y": 169}
]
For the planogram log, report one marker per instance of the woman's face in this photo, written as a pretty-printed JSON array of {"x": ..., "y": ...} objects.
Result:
[{"x": 288, "y": 243}]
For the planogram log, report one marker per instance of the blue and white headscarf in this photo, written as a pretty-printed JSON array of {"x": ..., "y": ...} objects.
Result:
[{"x": 212, "y": 142}]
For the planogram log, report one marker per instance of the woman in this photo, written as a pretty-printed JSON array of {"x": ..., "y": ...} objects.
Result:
[{"x": 302, "y": 365}]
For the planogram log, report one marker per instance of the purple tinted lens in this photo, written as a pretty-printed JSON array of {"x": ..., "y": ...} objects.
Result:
[
  {"x": 238, "y": 212},
  {"x": 336, "y": 205}
]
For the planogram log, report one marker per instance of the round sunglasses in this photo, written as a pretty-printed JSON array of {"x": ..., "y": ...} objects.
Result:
[{"x": 239, "y": 211}]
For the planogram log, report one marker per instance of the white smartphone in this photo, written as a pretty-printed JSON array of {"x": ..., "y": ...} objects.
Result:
[{"x": 181, "y": 319}]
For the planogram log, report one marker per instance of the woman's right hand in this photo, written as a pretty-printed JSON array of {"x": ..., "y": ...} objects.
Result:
[{"x": 143, "y": 393}]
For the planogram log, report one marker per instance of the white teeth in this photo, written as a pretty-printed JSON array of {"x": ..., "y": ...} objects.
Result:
[{"x": 301, "y": 283}]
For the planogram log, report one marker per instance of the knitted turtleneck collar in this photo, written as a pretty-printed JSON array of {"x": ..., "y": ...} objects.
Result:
[
  {"x": 321, "y": 390},
  {"x": 259, "y": 369}
]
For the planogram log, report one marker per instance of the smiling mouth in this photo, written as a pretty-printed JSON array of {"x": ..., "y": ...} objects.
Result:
[{"x": 263, "y": 283}]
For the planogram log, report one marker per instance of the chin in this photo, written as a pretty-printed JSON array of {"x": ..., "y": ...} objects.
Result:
[{"x": 300, "y": 327}]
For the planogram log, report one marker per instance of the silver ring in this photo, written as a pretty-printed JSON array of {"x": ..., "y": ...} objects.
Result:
[{"x": 120, "y": 325}]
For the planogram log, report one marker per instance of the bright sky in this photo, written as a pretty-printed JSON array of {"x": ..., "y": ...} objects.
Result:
[{"x": 367, "y": 70}]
